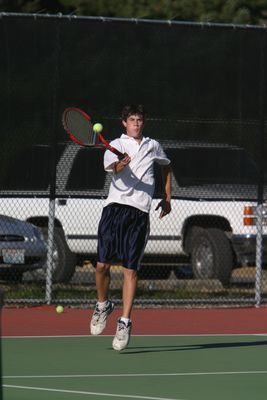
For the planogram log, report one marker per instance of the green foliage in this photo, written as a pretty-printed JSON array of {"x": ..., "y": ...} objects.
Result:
[{"x": 220, "y": 11}]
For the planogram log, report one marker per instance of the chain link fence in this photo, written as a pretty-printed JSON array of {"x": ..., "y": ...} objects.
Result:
[{"x": 204, "y": 87}]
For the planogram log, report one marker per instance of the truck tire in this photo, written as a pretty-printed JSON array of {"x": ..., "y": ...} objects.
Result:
[
  {"x": 64, "y": 259},
  {"x": 211, "y": 255}
]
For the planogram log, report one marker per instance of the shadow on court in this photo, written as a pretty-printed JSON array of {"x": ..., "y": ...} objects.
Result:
[{"x": 206, "y": 346}]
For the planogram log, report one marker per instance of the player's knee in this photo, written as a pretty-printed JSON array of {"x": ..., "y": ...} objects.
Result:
[{"x": 102, "y": 268}]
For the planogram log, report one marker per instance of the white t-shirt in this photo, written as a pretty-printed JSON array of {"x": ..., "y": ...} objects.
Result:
[{"x": 134, "y": 185}]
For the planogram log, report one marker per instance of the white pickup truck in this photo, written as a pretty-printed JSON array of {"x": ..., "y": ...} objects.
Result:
[{"x": 211, "y": 225}]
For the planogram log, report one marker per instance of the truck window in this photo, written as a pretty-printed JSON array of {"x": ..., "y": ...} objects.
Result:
[
  {"x": 210, "y": 165},
  {"x": 87, "y": 171},
  {"x": 30, "y": 169}
]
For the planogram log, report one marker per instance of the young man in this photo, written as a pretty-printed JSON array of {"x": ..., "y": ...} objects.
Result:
[{"x": 124, "y": 225}]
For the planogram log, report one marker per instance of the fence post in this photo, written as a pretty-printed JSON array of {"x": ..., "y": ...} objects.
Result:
[
  {"x": 50, "y": 250},
  {"x": 53, "y": 172},
  {"x": 1, "y": 370},
  {"x": 258, "y": 277}
]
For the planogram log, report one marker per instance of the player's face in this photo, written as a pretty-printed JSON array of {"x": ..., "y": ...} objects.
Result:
[{"x": 134, "y": 126}]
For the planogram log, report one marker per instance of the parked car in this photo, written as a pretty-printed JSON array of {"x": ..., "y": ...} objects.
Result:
[{"x": 22, "y": 248}]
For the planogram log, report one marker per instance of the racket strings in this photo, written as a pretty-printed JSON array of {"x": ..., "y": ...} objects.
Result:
[{"x": 80, "y": 127}]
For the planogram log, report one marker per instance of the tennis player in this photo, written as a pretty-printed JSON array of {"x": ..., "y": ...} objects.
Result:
[{"x": 124, "y": 224}]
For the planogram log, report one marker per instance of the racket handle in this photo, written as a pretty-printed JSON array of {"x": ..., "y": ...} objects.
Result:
[{"x": 117, "y": 152}]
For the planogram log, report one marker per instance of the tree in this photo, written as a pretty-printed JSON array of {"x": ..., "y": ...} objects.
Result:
[{"x": 218, "y": 11}]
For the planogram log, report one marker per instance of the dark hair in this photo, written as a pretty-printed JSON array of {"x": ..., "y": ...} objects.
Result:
[{"x": 133, "y": 109}]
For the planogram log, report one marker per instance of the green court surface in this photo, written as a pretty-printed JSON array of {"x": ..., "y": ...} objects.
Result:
[{"x": 152, "y": 367}]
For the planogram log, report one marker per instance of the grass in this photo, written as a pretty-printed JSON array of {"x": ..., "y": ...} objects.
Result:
[{"x": 15, "y": 293}]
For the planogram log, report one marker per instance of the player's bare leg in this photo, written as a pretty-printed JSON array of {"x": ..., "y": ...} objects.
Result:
[
  {"x": 128, "y": 291},
  {"x": 104, "y": 307},
  {"x": 102, "y": 277},
  {"x": 124, "y": 325}
]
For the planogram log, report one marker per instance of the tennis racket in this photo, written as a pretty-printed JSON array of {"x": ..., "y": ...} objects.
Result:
[{"x": 79, "y": 127}]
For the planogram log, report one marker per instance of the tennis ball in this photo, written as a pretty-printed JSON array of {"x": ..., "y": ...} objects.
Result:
[
  {"x": 59, "y": 309},
  {"x": 98, "y": 128}
]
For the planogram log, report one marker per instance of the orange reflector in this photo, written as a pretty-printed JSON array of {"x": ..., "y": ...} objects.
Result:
[
  {"x": 248, "y": 219},
  {"x": 248, "y": 210}
]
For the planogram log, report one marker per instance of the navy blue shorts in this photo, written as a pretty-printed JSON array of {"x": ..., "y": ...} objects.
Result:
[{"x": 122, "y": 235}]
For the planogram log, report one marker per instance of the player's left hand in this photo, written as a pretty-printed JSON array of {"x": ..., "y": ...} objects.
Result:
[{"x": 165, "y": 208}]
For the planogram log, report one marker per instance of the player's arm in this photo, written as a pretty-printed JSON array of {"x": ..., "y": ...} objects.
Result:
[
  {"x": 165, "y": 203},
  {"x": 113, "y": 163}
]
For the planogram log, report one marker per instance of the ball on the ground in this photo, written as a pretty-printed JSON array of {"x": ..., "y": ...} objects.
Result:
[
  {"x": 59, "y": 309},
  {"x": 98, "y": 127}
]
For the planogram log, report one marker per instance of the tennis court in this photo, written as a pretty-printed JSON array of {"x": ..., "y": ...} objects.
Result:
[{"x": 188, "y": 366}]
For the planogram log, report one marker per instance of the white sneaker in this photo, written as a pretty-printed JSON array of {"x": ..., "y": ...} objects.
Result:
[
  {"x": 122, "y": 336},
  {"x": 99, "y": 318}
]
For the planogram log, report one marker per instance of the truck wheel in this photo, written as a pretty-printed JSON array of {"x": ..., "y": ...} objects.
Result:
[
  {"x": 211, "y": 255},
  {"x": 64, "y": 259}
]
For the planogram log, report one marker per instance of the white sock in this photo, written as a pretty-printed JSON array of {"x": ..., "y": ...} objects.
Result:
[
  {"x": 125, "y": 320},
  {"x": 102, "y": 304}
]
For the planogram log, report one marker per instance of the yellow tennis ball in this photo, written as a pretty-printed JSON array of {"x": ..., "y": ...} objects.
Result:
[
  {"x": 98, "y": 127},
  {"x": 59, "y": 309}
]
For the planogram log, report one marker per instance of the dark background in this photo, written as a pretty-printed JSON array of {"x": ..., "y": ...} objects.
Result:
[{"x": 199, "y": 83}]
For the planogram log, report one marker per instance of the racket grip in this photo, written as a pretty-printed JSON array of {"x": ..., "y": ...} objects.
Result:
[{"x": 117, "y": 152}]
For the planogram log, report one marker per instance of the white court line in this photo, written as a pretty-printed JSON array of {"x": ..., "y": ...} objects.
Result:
[
  {"x": 88, "y": 393},
  {"x": 94, "y": 337},
  {"x": 135, "y": 375}
]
